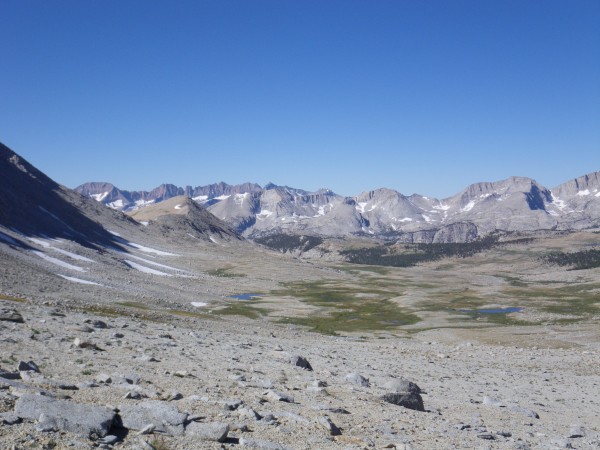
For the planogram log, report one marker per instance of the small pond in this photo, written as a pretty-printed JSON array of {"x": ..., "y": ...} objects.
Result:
[
  {"x": 247, "y": 296},
  {"x": 509, "y": 310}
]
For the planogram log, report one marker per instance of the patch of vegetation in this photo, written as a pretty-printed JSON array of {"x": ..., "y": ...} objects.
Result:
[
  {"x": 242, "y": 308},
  {"x": 12, "y": 299},
  {"x": 584, "y": 259},
  {"x": 132, "y": 305},
  {"x": 412, "y": 254},
  {"x": 223, "y": 272},
  {"x": 193, "y": 314},
  {"x": 348, "y": 309},
  {"x": 289, "y": 242},
  {"x": 576, "y": 299}
]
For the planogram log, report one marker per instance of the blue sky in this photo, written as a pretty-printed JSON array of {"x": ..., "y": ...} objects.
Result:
[{"x": 418, "y": 96}]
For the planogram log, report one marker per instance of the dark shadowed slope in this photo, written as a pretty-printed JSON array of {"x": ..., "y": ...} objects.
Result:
[{"x": 35, "y": 205}]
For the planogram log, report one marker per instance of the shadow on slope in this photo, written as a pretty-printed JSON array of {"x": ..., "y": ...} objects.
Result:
[{"x": 33, "y": 204}]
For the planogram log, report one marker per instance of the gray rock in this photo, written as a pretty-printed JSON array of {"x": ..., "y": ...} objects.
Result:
[
  {"x": 86, "y": 420},
  {"x": 326, "y": 423},
  {"x": 300, "y": 361},
  {"x": 10, "y": 375},
  {"x": 260, "y": 444},
  {"x": 165, "y": 416},
  {"x": 10, "y": 315},
  {"x": 214, "y": 431},
  {"x": 492, "y": 402},
  {"x": 525, "y": 411},
  {"x": 279, "y": 397},
  {"x": 28, "y": 366},
  {"x": 232, "y": 405},
  {"x": 104, "y": 378},
  {"x": 402, "y": 385},
  {"x": 410, "y": 400},
  {"x": 99, "y": 324},
  {"x": 576, "y": 431},
  {"x": 9, "y": 418},
  {"x": 358, "y": 379},
  {"x": 246, "y": 411}
]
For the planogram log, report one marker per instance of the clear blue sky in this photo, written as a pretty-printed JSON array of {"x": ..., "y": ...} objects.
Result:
[{"x": 418, "y": 96}]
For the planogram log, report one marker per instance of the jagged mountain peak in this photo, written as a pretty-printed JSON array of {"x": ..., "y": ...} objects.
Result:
[{"x": 582, "y": 186}]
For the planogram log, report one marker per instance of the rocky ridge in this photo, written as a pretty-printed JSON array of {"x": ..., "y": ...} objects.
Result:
[{"x": 517, "y": 204}]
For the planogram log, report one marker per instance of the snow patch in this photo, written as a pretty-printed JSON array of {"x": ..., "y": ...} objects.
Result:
[
  {"x": 147, "y": 261},
  {"x": 58, "y": 262},
  {"x": 427, "y": 218},
  {"x": 145, "y": 269},
  {"x": 360, "y": 207},
  {"x": 584, "y": 193},
  {"x": 264, "y": 213},
  {"x": 200, "y": 198},
  {"x": 40, "y": 242},
  {"x": 597, "y": 195},
  {"x": 222, "y": 197},
  {"x": 199, "y": 304},
  {"x": 239, "y": 198},
  {"x": 468, "y": 206},
  {"x": 560, "y": 204},
  {"x": 145, "y": 223},
  {"x": 99, "y": 197},
  {"x": 78, "y": 280},
  {"x": 116, "y": 204},
  {"x": 441, "y": 206},
  {"x": 213, "y": 239},
  {"x": 406, "y": 219},
  {"x": 178, "y": 206}
]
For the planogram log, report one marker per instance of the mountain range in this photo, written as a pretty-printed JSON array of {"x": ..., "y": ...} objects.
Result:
[{"x": 517, "y": 204}]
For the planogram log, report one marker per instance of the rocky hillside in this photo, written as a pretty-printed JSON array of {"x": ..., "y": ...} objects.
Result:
[{"x": 515, "y": 204}]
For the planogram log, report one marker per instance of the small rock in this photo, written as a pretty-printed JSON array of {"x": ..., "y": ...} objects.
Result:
[
  {"x": 279, "y": 397},
  {"x": 505, "y": 434},
  {"x": 246, "y": 411},
  {"x": 300, "y": 361},
  {"x": 214, "y": 431},
  {"x": 99, "y": 324},
  {"x": 181, "y": 373},
  {"x": 326, "y": 423},
  {"x": 486, "y": 436},
  {"x": 174, "y": 396},
  {"x": 118, "y": 335},
  {"x": 410, "y": 400},
  {"x": 358, "y": 379},
  {"x": 104, "y": 378},
  {"x": 28, "y": 366},
  {"x": 10, "y": 315},
  {"x": 492, "y": 402},
  {"x": 9, "y": 418},
  {"x": 79, "y": 343},
  {"x": 576, "y": 431},
  {"x": 232, "y": 405},
  {"x": 525, "y": 411}
]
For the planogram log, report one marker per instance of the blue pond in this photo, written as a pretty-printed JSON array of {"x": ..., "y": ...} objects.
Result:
[
  {"x": 492, "y": 310},
  {"x": 247, "y": 296}
]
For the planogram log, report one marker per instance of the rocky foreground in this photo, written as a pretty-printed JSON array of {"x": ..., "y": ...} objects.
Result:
[{"x": 76, "y": 380}]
